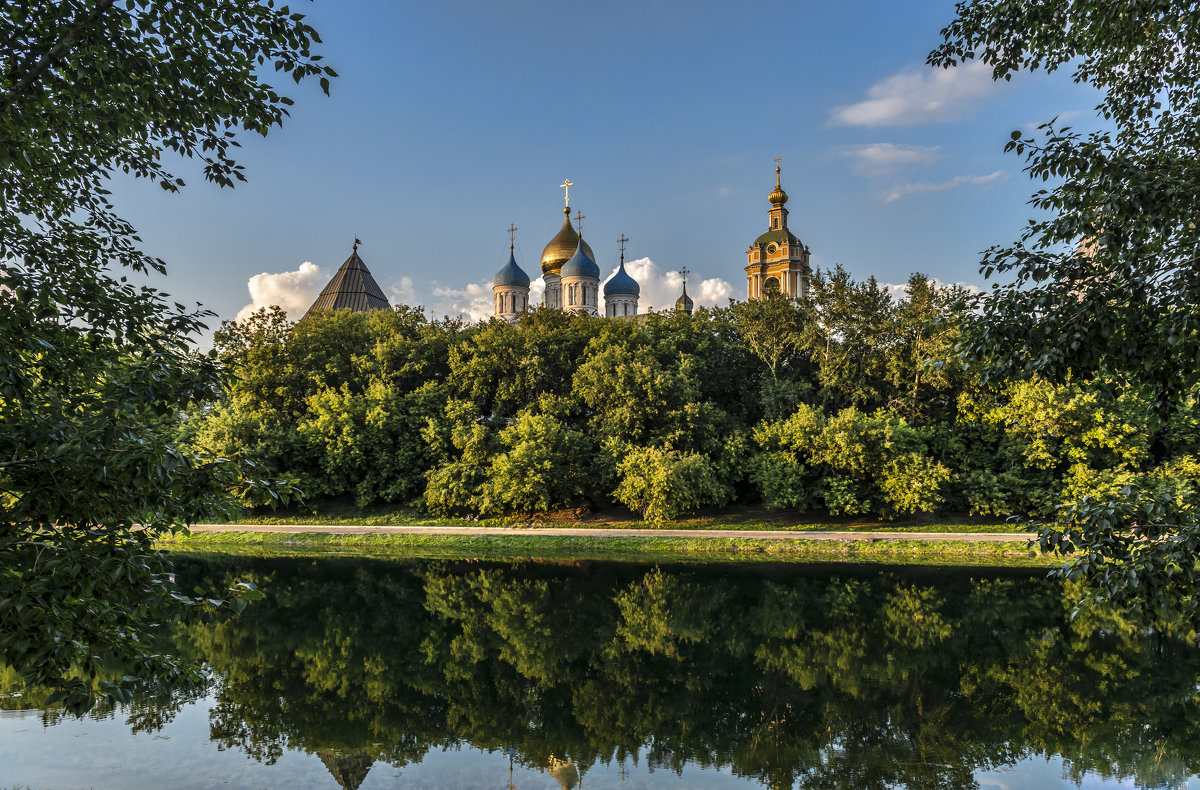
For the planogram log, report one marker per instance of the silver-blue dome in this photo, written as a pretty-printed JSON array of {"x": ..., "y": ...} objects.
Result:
[
  {"x": 621, "y": 284},
  {"x": 580, "y": 264},
  {"x": 511, "y": 275}
]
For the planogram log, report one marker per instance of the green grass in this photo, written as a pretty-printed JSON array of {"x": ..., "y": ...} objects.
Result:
[
  {"x": 746, "y": 518},
  {"x": 569, "y": 547}
]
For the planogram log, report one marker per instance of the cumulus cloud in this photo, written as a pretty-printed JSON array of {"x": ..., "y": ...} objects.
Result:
[
  {"x": 403, "y": 292},
  {"x": 920, "y": 96},
  {"x": 661, "y": 288},
  {"x": 882, "y": 159},
  {"x": 292, "y": 291},
  {"x": 900, "y": 290},
  {"x": 904, "y": 190},
  {"x": 473, "y": 302}
]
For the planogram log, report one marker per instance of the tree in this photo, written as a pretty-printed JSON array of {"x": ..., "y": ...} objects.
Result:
[
  {"x": 1105, "y": 279},
  {"x": 94, "y": 368}
]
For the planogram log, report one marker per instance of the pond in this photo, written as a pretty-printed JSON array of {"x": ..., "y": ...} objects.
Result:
[{"x": 359, "y": 673}]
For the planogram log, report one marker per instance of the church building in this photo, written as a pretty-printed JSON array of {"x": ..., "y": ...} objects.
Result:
[
  {"x": 571, "y": 276},
  {"x": 777, "y": 260}
]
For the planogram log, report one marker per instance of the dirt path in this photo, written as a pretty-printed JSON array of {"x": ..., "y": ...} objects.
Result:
[{"x": 963, "y": 537}]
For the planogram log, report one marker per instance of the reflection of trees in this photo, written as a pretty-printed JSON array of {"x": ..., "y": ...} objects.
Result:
[{"x": 822, "y": 682}]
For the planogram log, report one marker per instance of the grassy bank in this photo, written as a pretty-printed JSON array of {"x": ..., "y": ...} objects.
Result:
[
  {"x": 624, "y": 548},
  {"x": 748, "y": 518}
]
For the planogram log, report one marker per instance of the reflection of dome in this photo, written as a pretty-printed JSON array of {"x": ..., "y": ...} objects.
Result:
[
  {"x": 511, "y": 274},
  {"x": 621, "y": 284},
  {"x": 684, "y": 302},
  {"x": 581, "y": 263},
  {"x": 348, "y": 770},
  {"x": 564, "y": 772},
  {"x": 562, "y": 247}
]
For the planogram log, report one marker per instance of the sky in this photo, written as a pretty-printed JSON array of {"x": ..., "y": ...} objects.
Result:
[{"x": 451, "y": 120}]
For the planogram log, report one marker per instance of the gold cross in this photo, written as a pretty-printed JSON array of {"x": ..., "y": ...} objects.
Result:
[
  {"x": 566, "y": 185},
  {"x": 622, "y": 241},
  {"x": 777, "y": 161},
  {"x": 579, "y": 218},
  {"x": 512, "y": 234}
]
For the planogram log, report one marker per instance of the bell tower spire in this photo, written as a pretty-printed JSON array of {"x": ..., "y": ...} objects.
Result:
[{"x": 777, "y": 261}]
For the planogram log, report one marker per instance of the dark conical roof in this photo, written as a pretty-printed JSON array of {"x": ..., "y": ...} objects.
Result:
[
  {"x": 352, "y": 287},
  {"x": 348, "y": 770}
]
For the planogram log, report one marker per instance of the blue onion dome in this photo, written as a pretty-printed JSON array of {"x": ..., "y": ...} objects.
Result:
[
  {"x": 621, "y": 284},
  {"x": 684, "y": 303},
  {"x": 512, "y": 274},
  {"x": 580, "y": 264}
]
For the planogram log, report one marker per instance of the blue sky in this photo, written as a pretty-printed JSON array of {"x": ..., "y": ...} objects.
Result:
[{"x": 451, "y": 120}]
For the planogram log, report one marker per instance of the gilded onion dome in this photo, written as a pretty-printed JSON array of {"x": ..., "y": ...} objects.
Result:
[
  {"x": 581, "y": 263},
  {"x": 562, "y": 247},
  {"x": 778, "y": 197}
]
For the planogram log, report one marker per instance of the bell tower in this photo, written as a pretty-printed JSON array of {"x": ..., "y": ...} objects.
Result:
[{"x": 777, "y": 260}]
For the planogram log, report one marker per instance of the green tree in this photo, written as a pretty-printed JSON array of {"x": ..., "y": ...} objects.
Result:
[
  {"x": 1104, "y": 279},
  {"x": 94, "y": 367},
  {"x": 663, "y": 483}
]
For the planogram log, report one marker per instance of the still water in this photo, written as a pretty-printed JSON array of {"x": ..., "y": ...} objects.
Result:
[{"x": 373, "y": 674}]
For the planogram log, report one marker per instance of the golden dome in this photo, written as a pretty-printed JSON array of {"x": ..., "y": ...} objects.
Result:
[
  {"x": 562, "y": 247},
  {"x": 778, "y": 197}
]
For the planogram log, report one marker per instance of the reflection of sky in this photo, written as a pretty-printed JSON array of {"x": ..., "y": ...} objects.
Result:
[
  {"x": 1039, "y": 773},
  {"x": 104, "y": 754}
]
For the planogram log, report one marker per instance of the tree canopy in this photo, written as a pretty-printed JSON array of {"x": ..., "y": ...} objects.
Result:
[
  {"x": 93, "y": 366},
  {"x": 1103, "y": 283}
]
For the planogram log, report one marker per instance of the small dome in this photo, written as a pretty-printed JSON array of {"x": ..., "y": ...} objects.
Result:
[
  {"x": 684, "y": 302},
  {"x": 511, "y": 275},
  {"x": 562, "y": 247},
  {"x": 777, "y": 197},
  {"x": 621, "y": 284},
  {"x": 581, "y": 263}
]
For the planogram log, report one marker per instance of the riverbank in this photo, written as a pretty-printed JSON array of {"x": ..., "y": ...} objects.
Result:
[
  {"x": 625, "y": 544},
  {"x": 730, "y": 518}
]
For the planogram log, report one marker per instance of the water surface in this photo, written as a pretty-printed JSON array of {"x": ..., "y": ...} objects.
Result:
[{"x": 373, "y": 674}]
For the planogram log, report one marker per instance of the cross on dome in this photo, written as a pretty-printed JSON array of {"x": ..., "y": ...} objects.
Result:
[{"x": 566, "y": 186}]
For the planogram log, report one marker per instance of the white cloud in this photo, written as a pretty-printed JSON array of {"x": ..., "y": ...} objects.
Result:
[
  {"x": 904, "y": 190},
  {"x": 724, "y": 191},
  {"x": 661, "y": 288},
  {"x": 920, "y": 96},
  {"x": 900, "y": 290},
  {"x": 403, "y": 292},
  {"x": 882, "y": 159},
  {"x": 474, "y": 302},
  {"x": 293, "y": 291}
]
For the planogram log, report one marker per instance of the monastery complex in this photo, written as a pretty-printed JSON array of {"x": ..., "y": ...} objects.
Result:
[{"x": 777, "y": 261}]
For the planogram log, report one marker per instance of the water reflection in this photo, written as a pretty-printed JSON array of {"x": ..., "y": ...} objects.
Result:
[{"x": 575, "y": 673}]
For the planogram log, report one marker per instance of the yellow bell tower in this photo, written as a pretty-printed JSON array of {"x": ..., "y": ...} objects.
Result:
[{"x": 777, "y": 260}]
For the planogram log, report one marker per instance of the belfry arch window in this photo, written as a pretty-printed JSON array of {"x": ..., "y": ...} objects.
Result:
[
  {"x": 775, "y": 223},
  {"x": 771, "y": 286}
]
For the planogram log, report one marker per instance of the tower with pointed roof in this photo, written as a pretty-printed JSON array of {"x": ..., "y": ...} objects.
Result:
[
  {"x": 684, "y": 303},
  {"x": 510, "y": 286},
  {"x": 352, "y": 288},
  {"x": 621, "y": 292},
  {"x": 777, "y": 260}
]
